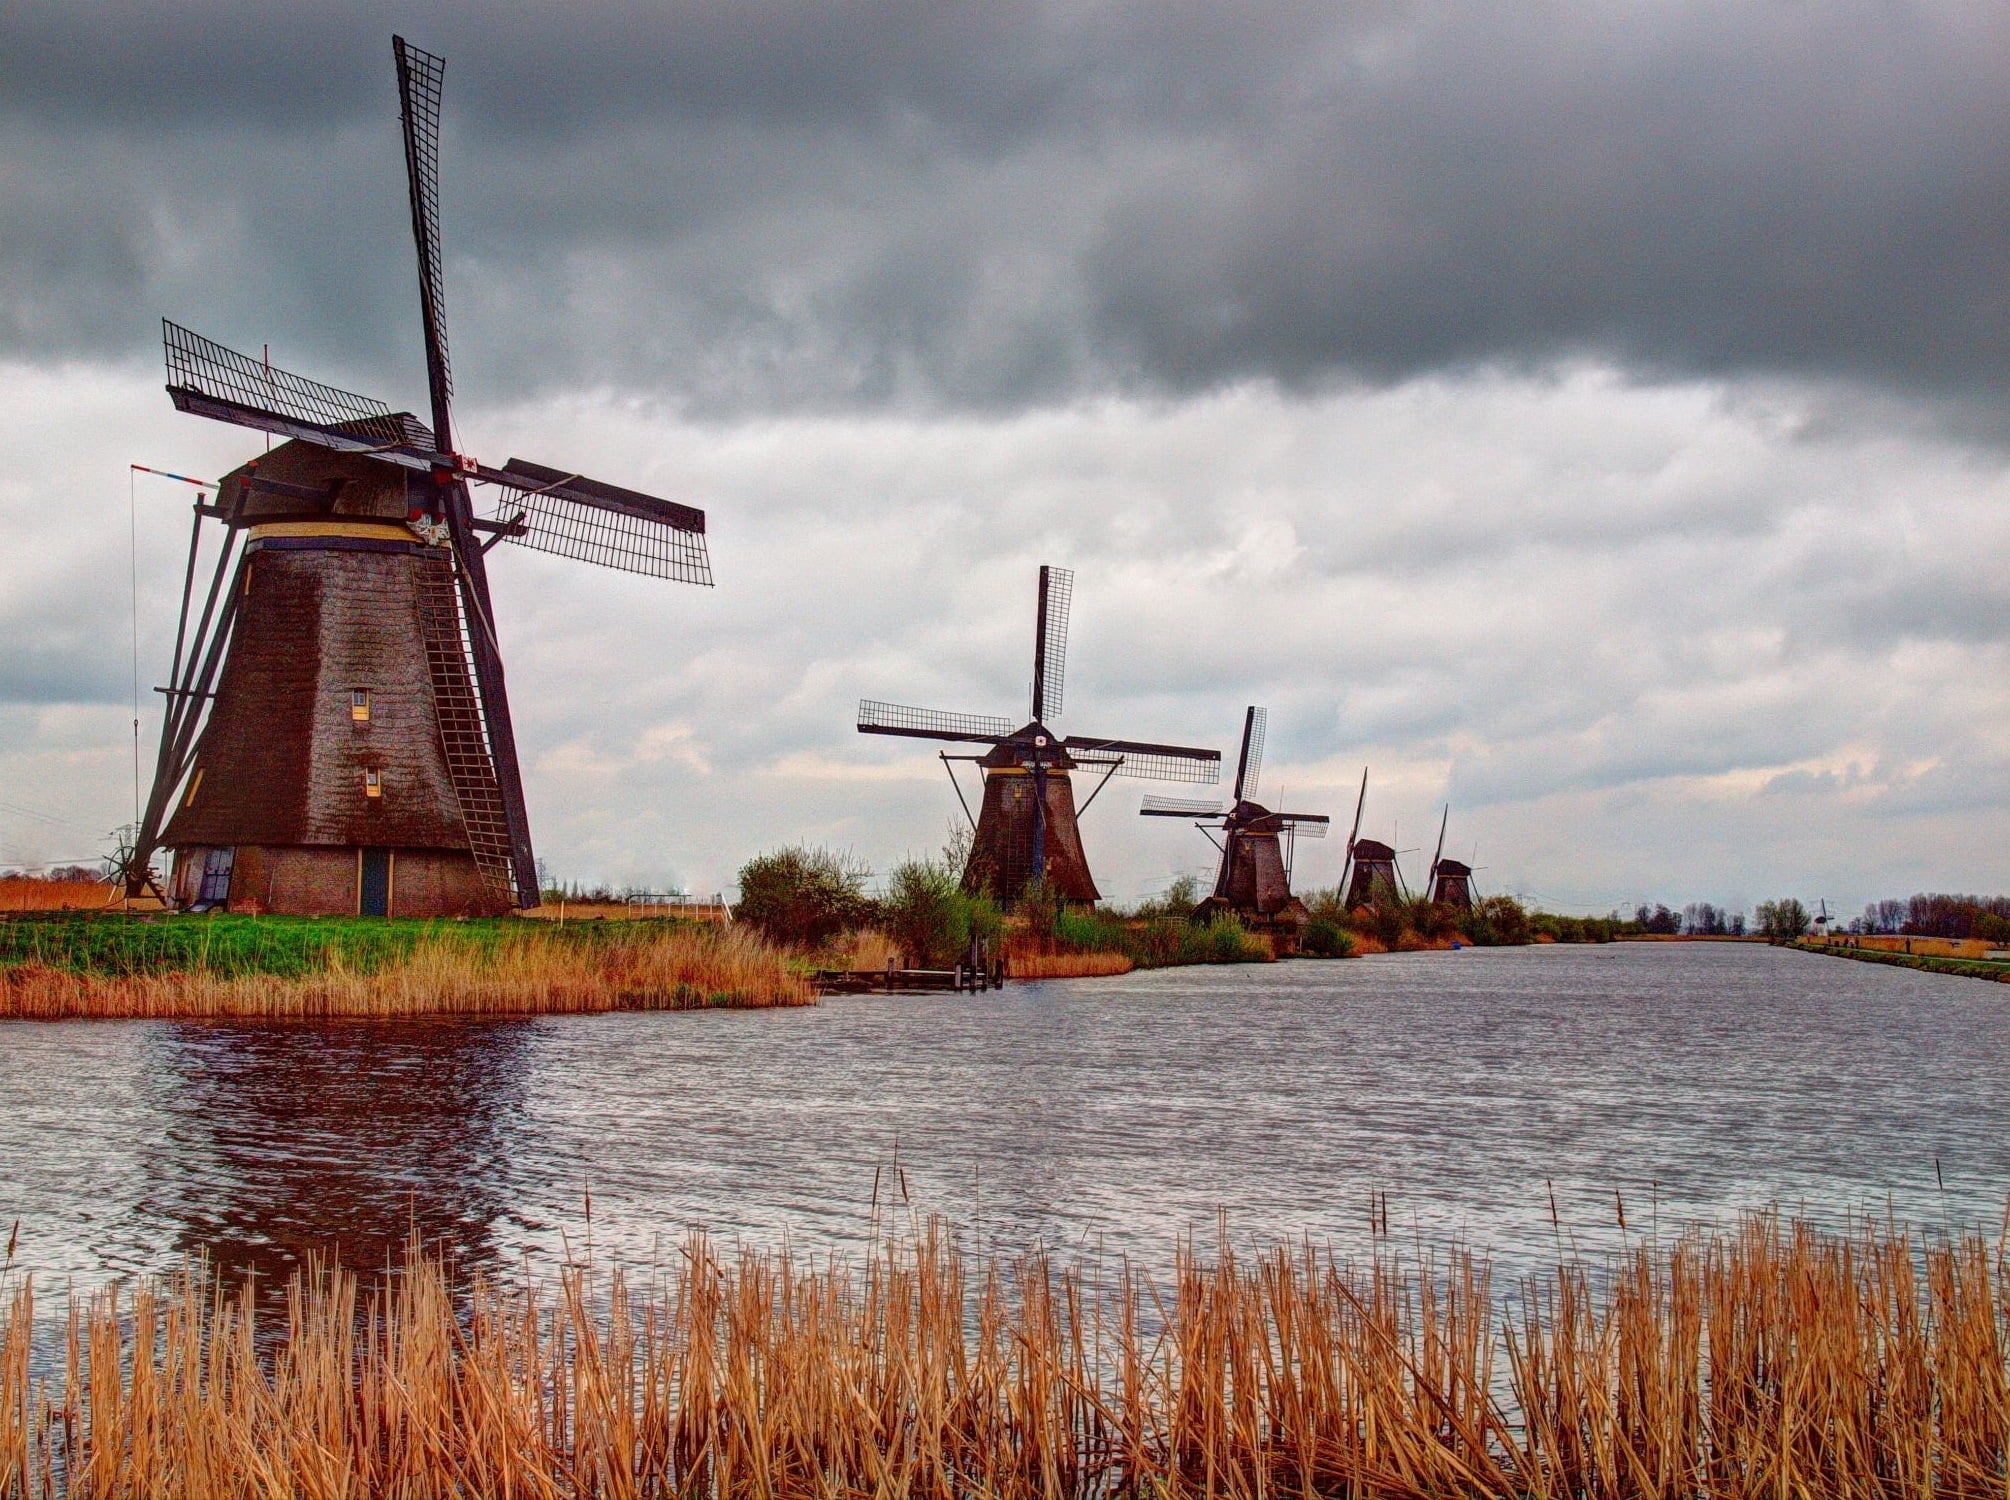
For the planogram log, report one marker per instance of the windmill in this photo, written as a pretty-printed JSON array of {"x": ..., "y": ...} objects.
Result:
[
  {"x": 337, "y": 734},
  {"x": 1371, "y": 864},
  {"x": 1026, "y": 830},
  {"x": 1254, "y": 878},
  {"x": 1451, "y": 880}
]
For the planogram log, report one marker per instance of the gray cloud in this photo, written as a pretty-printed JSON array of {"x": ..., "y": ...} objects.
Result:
[
  {"x": 924, "y": 205},
  {"x": 1580, "y": 412}
]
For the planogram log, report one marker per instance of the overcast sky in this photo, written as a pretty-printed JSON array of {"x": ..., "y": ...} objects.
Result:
[{"x": 1594, "y": 416}]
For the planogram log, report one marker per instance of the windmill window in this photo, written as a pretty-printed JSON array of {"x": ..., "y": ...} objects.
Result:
[
  {"x": 359, "y": 705},
  {"x": 194, "y": 786},
  {"x": 373, "y": 783}
]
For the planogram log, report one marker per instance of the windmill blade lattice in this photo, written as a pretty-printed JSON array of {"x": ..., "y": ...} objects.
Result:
[
  {"x": 1249, "y": 773},
  {"x": 1057, "y": 594},
  {"x": 1178, "y": 807},
  {"x": 341, "y": 419},
  {"x": 1146, "y": 762},
  {"x": 421, "y": 76},
  {"x": 570, "y": 516},
  {"x": 875, "y": 717},
  {"x": 1305, "y": 827}
]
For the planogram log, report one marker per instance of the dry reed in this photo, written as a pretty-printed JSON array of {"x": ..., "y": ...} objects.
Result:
[
  {"x": 1772, "y": 1361},
  {"x": 37, "y": 893},
  {"x": 646, "y": 967},
  {"x": 868, "y": 948},
  {"x": 1024, "y": 961}
]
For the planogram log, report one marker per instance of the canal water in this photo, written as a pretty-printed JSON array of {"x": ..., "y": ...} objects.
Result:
[{"x": 1678, "y": 1082}]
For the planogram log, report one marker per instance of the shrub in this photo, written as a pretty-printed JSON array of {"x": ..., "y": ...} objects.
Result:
[
  {"x": 804, "y": 896},
  {"x": 1782, "y": 921},
  {"x": 1175, "y": 902},
  {"x": 1561, "y": 929},
  {"x": 1497, "y": 922},
  {"x": 1224, "y": 940},
  {"x": 1386, "y": 918},
  {"x": 932, "y": 918},
  {"x": 1040, "y": 911},
  {"x": 1432, "y": 921},
  {"x": 1157, "y": 942},
  {"x": 1325, "y": 938}
]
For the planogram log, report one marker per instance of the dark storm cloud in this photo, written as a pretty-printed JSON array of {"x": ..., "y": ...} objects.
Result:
[{"x": 990, "y": 205}]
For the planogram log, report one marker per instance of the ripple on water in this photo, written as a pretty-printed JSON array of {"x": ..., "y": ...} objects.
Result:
[{"x": 1691, "y": 1080}]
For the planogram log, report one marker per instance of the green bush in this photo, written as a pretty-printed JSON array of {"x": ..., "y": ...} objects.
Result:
[
  {"x": 1224, "y": 940},
  {"x": 804, "y": 896},
  {"x": 929, "y": 914},
  {"x": 1041, "y": 910},
  {"x": 1387, "y": 917},
  {"x": 1561, "y": 929},
  {"x": 1782, "y": 921},
  {"x": 1175, "y": 902},
  {"x": 1497, "y": 922},
  {"x": 1325, "y": 938},
  {"x": 1158, "y": 942}
]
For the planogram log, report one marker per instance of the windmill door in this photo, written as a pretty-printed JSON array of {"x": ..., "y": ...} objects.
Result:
[
  {"x": 215, "y": 887},
  {"x": 373, "y": 882}
]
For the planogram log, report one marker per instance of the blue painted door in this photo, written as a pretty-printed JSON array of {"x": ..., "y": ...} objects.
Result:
[{"x": 373, "y": 896}]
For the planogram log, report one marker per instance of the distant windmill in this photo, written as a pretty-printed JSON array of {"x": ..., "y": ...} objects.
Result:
[
  {"x": 337, "y": 735},
  {"x": 1026, "y": 830},
  {"x": 1371, "y": 864},
  {"x": 1254, "y": 878},
  {"x": 1451, "y": 882}
]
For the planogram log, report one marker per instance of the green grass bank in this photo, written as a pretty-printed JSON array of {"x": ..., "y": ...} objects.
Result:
[{"x": 1967, "y": 968}]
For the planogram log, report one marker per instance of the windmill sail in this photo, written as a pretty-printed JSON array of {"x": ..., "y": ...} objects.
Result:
[
  {"x": 421, "y": 76},
  {"x": 487, "y": 765},
  {"x": 1354, "y": 836},
  {"x": 1249, "y": 766},
  {"x": 1179, "y": 807},
  {"x": 875, "y": 717},
  {"x": 548, "y": 510},
  {"x": 1050, "y": 645},
  {"x": 1145, "y": 761},
  {"x": 211, "y": 381}
]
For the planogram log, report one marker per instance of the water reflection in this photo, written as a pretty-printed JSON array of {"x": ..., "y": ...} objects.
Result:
[
  {"x": 277, "y": 1143},
  {"x": 1689, "y": 1083}
]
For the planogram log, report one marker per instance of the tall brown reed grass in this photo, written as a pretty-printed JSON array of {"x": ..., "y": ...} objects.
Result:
[
  {"x": 37, "y": 893},
  {"x": 868, "y": 948},
  {"x": 646, "y": 967},
  {"x": 1771, "y": 1361},
  {"x": 1027, "y": 961}
]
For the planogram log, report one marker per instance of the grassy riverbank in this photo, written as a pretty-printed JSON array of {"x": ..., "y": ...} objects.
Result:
[
  {"x": 1069, "y": 943},
  {"x": 63, "y": 966},
  {"x": 1772, "y": 1360},
  {"x": 1968, "y": 968}
]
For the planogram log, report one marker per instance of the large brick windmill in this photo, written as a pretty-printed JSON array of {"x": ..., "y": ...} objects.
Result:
[
  {"x": 1254, "y": 877},
  {"x": 337, "y": 735},
  {"x": 1026, "y": 829}
]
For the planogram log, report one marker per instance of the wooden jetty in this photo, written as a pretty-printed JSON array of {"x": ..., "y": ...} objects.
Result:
[{"x": 897, "y": 981}]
